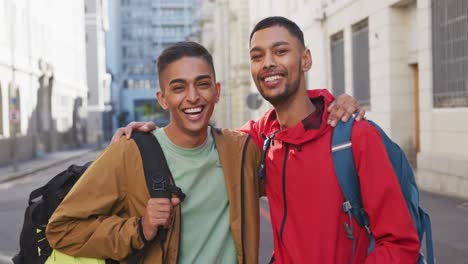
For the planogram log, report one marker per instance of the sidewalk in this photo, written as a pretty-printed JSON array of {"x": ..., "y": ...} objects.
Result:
[{"x": 50, "y": 159}]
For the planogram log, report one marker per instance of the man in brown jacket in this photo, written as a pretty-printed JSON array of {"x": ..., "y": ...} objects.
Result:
[{"x": 109, "y": 214}]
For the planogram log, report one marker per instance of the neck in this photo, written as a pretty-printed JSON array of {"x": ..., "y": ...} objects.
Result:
[
  {"x": 185, "y": 139},
  {"x": 295, "y": 109}
]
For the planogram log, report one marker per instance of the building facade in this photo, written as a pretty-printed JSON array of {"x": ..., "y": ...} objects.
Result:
[
  {"x": 99, "y": 122},
  {"x": 143, "y": 29},
  {"x": 225, "y": 27},
  {"x": 42, "y": 74}
]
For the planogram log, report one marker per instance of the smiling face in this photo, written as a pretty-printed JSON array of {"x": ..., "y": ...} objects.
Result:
[
  {"x": 189, "y": 92},
  {"x": 278, "y": 62}
]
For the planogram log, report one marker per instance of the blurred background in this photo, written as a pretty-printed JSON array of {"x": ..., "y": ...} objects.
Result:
[{"x": 72, "y": 71}]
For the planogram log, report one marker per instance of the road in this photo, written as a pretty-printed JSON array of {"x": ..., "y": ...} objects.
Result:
[{"x": 449, "y": 218}]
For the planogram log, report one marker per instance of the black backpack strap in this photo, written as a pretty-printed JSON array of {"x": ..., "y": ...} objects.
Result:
[
  {"x": 158, "y": 180},
  {"x": 57, "y": 182},
  {"x": 157, "y": 173}
]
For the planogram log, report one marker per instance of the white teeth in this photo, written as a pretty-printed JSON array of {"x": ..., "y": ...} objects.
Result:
[
  {"x": 195, "y": 110},
  {"x": 272, "y": 78}
]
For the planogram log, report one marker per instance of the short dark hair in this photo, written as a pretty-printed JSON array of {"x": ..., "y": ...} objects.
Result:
[
  {"x": 292, "y": 27},
  {"x": 183, "y": 49}
]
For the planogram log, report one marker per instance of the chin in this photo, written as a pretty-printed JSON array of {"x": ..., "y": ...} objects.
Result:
[{"x": 195, "y": 130}]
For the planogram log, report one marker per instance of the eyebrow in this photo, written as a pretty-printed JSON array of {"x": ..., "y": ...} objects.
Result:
[
  {"x": 201, "y": 77},
  {"x": 177, "y": 81},
  {"x": 275, "y": 44},
  {"x": 198, "y": 78}
]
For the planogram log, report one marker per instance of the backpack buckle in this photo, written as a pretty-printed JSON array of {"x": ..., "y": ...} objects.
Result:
[
  {"x": 347, "y": 206},
  {"x": 367, "y": 227},
  {"x": 159, "y": 184}
]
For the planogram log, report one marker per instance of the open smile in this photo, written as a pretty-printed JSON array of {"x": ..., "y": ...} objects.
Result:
[
  {"x": 272, "y": 80},
  {"x": 193, "y": 113}
]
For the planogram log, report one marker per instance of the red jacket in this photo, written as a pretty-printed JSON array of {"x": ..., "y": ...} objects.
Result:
[{"x": 306, "y": 200}]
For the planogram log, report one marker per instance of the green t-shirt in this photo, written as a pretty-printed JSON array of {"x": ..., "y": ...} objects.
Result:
[{"x": 206, "y": 234}]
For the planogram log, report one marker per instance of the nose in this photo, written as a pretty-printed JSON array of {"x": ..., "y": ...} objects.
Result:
[
  {"x": 269, "y": 61},
  {"x": 193, "y": 95}
]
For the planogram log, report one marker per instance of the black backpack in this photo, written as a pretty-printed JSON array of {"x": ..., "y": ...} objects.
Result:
[{"x": 34, "y": 247}]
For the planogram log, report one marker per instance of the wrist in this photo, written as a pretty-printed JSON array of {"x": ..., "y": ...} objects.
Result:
[{"x": 141, "y": 231}]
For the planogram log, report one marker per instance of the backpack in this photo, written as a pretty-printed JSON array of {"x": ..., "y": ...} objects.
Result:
[
  {"x": 349, "y": 182},
  {"x": 34, "y": 247}
]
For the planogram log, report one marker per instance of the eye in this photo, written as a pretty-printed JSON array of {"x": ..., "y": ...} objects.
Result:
[
  {"x": 255, "y": 57},
  {"x": 281, "y": 51},
  {"x": 177, "y": 89},
  {"x": 204, "y": 84}
]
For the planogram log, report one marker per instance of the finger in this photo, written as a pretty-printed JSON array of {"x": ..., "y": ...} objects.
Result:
[
  {"x": 333, "y": 110},
  {"x": 117, "y": 135},
  {"x": 163, "y": 208},
  {"x": 144, "y": 128},
  {"x": 113, "y": 138},
  {"x": 157, "y": 206},
  {"x": 161, "y": 201},
  {"x": 164, "y": 221},
  {"x": 128, "y": 130},
  {"x": 351, "y": 109},
  {"x": 332, "y": 104},
  {"x": 346, "y": 116},
  {"x": 361, "y": 114},
  {"x": 349, "y": 112},
  {"x": 342, "y": 99},
  {"x": 150, "y": 126},
  {"x": 163, "y": 216},
  {"x": 175, "y": 201},
  {"x": 336, "y": 117},
  {"x": 147, "y": 127}
]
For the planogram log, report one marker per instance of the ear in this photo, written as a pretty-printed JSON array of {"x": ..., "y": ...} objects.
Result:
[
  {"x": 218, "y": 91},
  {"x": 306, "y": 60},
  {"x": 161, "y": 99}
]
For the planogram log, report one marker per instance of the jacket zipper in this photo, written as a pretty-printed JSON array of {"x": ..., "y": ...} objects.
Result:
[
  {"x": 285, "y": 213},
  {"x": 242, "y": 196}
]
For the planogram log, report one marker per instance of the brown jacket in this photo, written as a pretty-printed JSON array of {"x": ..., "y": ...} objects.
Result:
[{"x": 99, "y": 216}]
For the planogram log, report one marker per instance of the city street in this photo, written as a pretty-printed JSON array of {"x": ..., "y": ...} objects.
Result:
[{"x": 449, "y": 218}]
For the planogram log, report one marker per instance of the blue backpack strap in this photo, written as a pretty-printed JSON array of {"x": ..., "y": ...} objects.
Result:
[
  {"x": 430, "y": 259},
  {"x": 348, "y": 180},
  {"x": 410, "y": 192}
]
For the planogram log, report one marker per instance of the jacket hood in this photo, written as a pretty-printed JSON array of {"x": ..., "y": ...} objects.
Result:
[{"x": 301, "y": 132}]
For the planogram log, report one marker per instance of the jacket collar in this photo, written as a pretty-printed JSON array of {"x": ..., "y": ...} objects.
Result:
[{"x": 310, "y": 128}]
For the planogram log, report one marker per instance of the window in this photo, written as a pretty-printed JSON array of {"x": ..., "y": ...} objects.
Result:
[
  {"x": 450, "y": 53},
  {"x": 361, "y": 62},
  {"x": 337, "y": 63}
]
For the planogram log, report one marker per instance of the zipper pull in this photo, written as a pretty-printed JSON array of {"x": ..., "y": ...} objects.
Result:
[{"x": 266, "y": 144}]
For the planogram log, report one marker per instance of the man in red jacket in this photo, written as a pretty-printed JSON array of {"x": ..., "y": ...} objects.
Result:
[{"x": 303, "y": 192}]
